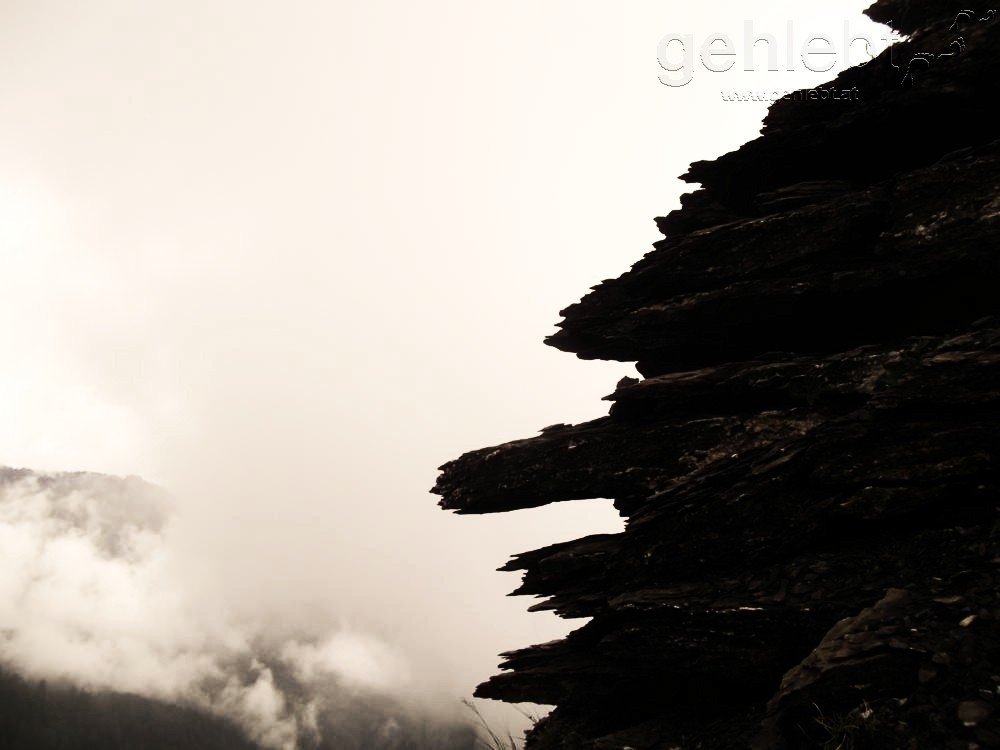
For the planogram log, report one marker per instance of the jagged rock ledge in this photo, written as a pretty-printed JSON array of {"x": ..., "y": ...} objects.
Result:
[{"x": 808, "y": 469}]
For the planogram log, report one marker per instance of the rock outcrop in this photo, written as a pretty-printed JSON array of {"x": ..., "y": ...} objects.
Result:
[{"x": 808, "y": 468}]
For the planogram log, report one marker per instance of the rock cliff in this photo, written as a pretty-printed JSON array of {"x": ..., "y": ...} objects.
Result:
[{"x": 808, "y": 467}]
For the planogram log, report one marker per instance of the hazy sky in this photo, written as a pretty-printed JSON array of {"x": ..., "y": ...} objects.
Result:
[{"x": 285, "y": 259}]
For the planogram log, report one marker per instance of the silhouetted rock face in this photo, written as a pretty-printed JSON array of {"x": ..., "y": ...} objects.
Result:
[{"x": 808, "y": 469}]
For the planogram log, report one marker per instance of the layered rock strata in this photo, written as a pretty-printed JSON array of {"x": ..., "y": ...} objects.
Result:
[{"x": 808, "y": 467}]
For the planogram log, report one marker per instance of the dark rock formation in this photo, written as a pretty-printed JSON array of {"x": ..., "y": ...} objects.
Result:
[{"x": 808, "y": 469}]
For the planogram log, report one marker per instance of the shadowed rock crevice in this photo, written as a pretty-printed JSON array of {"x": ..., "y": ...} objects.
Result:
[{"x": 808, "y": 468}]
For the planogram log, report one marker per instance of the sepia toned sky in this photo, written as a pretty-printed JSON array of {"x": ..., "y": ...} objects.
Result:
[{"x": 285, "y": 259}]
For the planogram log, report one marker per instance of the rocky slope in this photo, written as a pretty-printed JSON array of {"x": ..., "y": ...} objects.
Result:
[{"x": 807, "y": 469}]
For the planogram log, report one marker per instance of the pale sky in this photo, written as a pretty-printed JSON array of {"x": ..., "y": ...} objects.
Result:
[{"x": 285, "y": 259}]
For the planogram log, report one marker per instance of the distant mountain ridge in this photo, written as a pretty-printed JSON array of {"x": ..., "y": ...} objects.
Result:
[{"x": 37, "y": 715}]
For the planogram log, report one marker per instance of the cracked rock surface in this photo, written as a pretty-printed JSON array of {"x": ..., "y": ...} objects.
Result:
[{"x": 808, "y": 467}]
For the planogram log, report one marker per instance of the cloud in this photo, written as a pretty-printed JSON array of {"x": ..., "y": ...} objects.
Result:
[
  {"x": 89, "y": 595},
  {"x": 356, "y": 658}
]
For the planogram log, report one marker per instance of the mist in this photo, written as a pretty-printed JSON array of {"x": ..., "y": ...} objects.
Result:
[
  {"x": 91, "y": 595},
  {"x": 283, "y": 262}
]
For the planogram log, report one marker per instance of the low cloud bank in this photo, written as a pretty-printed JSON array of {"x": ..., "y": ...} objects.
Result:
[{"x": 90, "y": 594}]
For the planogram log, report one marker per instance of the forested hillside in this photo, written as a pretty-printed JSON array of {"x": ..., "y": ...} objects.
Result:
[{"x": 42, "y": 716}]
